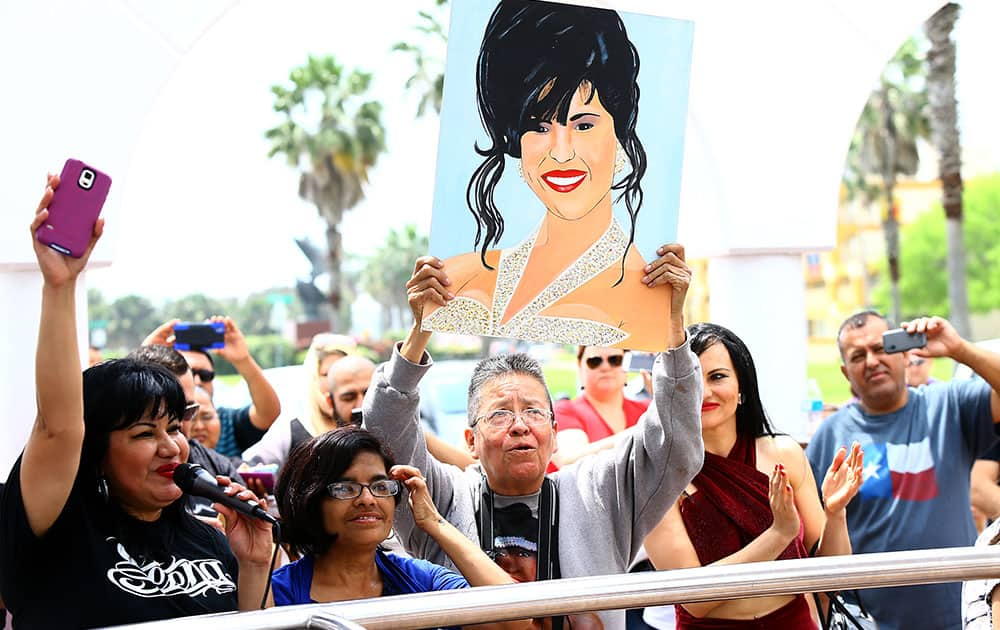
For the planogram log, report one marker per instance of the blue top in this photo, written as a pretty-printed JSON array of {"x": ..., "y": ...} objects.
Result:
[
  {"x": 400, "y": 576},
  {"x": 915, "y": 489},
  {"x": 237, "y": 432}
]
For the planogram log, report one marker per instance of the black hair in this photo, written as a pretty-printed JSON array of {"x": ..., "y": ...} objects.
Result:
[
  {"x": 116, "y": 394},
  {"x": 751, "y": 419},
  {"x": 162, "y": 355},
  {"x": 310, "y": 468},
  {"x": 534, "y": 57},
  {"x": 858, "y": 320}
]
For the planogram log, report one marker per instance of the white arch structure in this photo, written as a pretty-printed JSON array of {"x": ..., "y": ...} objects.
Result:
[{"x": 776, "y": 90}]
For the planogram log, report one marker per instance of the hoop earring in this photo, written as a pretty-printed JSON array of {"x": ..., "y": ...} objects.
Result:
[
  {"x": 619, "y": 158},
  {"x": 102, "y": 489}
]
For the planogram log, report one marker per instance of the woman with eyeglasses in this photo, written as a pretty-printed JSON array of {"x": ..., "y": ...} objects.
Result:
[
  {"x": 337, "y": 499},
  {"x": 593, "y": 420},
  {"x": 93, "y": 530}
]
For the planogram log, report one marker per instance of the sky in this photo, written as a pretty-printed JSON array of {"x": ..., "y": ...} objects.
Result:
[{"x": 224, "y": 216}]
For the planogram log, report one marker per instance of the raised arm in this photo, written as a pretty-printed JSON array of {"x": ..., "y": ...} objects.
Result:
[
  {"x": 391, "y": 407},
  {"x": 471, "y": 561},
  {"x": 944, "y": 341},
  {"x": 265, "y": 407},
  {"x": 661, "y": 454},
  {"x": 52, "y": 456},
  {"x": 840, "y": 484},
  {"x": 984, "y": 489}
]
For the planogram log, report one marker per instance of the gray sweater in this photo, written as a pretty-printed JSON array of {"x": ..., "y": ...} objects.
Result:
[{"x": 608, "y": 502}]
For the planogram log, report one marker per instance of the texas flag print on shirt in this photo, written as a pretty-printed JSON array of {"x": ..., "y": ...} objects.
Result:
[{"x": 899, "y": 471}]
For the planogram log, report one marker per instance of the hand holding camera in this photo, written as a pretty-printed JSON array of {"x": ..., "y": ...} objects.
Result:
[{"x": 939, "y": 337}]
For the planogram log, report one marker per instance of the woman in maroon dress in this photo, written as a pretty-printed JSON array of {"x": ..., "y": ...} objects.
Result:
[{"x": 755, "y": 498}]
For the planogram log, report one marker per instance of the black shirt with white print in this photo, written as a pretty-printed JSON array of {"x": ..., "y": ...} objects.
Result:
[{"x": 97, "y": 567}]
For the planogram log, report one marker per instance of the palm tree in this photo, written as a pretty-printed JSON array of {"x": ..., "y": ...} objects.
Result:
[
  {"x": 427, "y": 80},
  {"x": 388, "y": 270},
  {"x": 944, "y": 127},
  {"x": 335, "y": 148},
  {"x": 885, "y": 145}
]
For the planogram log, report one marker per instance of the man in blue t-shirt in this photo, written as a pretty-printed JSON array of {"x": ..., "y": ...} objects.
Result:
[
  {"x": 919, "y": 446},
  {"x": 244, "y": 426}
]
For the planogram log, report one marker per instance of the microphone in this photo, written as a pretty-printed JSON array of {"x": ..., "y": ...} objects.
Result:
[{"x": 195, "y": 480}]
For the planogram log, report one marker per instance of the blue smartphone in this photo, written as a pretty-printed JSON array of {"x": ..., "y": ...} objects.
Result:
[{"x": 207, "y": 336}]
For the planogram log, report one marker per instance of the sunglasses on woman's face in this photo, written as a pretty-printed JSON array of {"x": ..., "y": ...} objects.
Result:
[
  {"x": 615, "y": 360},
  {"x": 190, "y": 411}
]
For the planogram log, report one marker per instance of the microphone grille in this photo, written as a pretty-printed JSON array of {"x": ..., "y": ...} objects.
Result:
[{"x": 184, "y": 475}]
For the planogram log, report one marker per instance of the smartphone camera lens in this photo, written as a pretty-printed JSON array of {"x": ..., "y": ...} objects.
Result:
[{"x": 86, "y": 180}]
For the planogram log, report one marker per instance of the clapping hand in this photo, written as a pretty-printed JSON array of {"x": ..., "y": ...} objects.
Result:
[
  {"x": 843, "y": 479},
  {"x": 782, "y": 499}
]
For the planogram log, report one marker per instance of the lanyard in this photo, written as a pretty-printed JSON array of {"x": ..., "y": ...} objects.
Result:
[{"x": 548, "y": 532}]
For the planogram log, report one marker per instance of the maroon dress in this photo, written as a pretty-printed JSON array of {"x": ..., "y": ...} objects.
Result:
[{"x": 729, "y": 510}]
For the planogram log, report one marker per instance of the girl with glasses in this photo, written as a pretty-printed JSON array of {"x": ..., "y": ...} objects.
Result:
[
  {"x": 593, "y": 420},
  {"x": 337, "y": 497}
]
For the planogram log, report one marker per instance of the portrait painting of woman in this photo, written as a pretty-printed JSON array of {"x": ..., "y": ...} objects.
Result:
[{"x": 557, "y": 94}]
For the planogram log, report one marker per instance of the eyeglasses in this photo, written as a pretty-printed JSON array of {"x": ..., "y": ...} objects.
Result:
[
  {"x": 502, "y": 418},
  {"x": 205, "y": 417},
  {"x": 615, "y": 360},
  {"x": 206, "y": 376},
  {"x": 352, "y": 489},
  {"x": 190, "y": 411}
]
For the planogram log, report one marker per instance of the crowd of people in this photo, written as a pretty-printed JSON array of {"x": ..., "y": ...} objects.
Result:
[
  {"x": 95, "y": 529},
  {"x": 695, "y": 475}
]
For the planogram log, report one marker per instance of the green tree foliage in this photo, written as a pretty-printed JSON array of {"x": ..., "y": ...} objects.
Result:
[
  {"x": 197, "y": 307},
  {"x": 924, "y": 250},
  {"x": 385, "y": 274},
  {"x": 334, "y": 136},
  {"x": 130, "y": 319},
  {"x": 427, "y": 80},
  {"x": 884, "y": 144}
]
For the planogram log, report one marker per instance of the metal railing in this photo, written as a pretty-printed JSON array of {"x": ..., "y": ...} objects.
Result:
[{"x": 634, "y": 590}]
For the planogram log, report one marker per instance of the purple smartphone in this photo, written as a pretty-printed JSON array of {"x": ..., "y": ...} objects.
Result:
[{"x": 74, "y": 208}]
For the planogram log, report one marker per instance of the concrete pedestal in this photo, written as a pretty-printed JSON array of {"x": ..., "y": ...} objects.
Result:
[{"x": 21, "y": 288}]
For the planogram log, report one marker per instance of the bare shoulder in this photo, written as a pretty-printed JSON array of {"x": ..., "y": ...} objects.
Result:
[{"x": 782, "y": 449}]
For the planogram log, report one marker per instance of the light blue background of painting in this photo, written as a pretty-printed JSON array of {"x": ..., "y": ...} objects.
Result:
[{"x": 664, "y": 46}]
